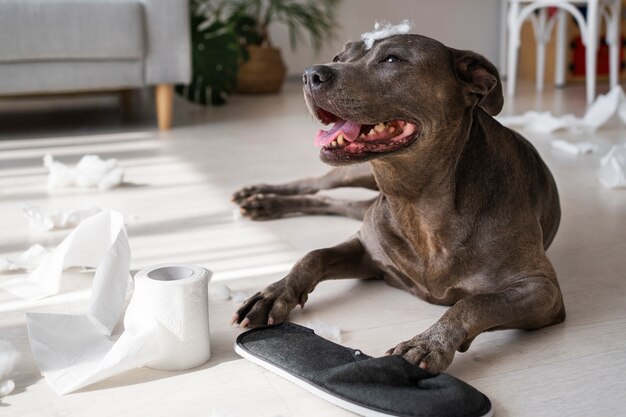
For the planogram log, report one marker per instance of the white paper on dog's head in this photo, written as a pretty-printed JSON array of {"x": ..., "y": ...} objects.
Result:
[
  {"x": 384, "y": 30},
  {"x": 165, "y": 326}
]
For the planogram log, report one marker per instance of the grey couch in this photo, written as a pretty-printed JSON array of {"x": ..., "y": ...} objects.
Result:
[{"x": 63, "y": 46}]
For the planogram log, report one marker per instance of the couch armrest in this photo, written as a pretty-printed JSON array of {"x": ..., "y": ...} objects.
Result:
[{"x": 168, "y": 43}]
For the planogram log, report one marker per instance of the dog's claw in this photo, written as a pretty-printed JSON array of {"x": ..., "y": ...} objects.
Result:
[
  {"x": 270, "y": 306},
  {"x": 427, "y": 352},
  {"x": 262, "y": 207}
]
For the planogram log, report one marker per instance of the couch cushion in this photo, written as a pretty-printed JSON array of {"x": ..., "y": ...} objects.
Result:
[
  {"x": 17, "y": 78},
  {"x": 32, "y": 30}
]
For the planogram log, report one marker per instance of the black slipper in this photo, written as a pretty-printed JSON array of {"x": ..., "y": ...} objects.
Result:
[{"x": 372, "y": 387}]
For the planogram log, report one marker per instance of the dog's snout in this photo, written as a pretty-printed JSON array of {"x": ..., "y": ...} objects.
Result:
[{"x": 317, "y": 75}]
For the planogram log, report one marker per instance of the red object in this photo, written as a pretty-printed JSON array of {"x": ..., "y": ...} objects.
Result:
[{"x": 577, "y": 67}]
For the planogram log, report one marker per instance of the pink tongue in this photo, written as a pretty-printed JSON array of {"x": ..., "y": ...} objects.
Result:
[{"x": 350, "y": 131}]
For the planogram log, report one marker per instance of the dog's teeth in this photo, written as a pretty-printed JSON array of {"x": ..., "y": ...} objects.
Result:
[
  {"x": 340, "y": 139},
  {"x": 379, "y": 127},
  {"x": 392, "y": 129},
  {"x": 372, "y": 132},
  {"x": 333, "y": 144}
]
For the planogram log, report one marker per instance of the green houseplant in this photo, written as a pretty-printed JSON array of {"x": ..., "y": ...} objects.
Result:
[
  {"x": 264, "y": 70},
  {"x": 232, "y": 45}
]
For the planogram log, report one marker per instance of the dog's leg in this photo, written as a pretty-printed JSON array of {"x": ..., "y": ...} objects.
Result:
[
  {"x": 359, "y": 175},
  {"x": 529, "y": 303},
  {"x": 272, "y": 206},
  {"x": 273, "y": 304}
]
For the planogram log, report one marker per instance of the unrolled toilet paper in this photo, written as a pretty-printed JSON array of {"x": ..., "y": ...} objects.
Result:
[{"x": 166, "y": 325}]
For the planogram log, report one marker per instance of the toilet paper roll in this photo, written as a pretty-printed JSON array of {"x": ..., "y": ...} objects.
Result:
[
  {"x": 166, "y": 324},
  {"x": 176, "y": 297}
]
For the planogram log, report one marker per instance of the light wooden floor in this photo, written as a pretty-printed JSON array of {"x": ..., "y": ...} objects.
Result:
[{"x": 178, "y": 210}]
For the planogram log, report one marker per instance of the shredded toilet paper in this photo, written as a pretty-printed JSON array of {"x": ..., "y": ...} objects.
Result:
[
  {"x": 40, "y": 220},
  {"x": 325, "y": 330},
  {"x": 384, "y": 30},
  {"x": 607, "y": 110},
  {"x": 8, "y": 359},
  {"x": 239, "y": 297},
  {"x": 165, "y": 325},
  {"x": 90, "y": 172},
  {"x": 574, "y": 148},
  {"x": 613, "y": 168},
  {"x": 29, "y": 260},
  {"x": 220, "y": 291}
]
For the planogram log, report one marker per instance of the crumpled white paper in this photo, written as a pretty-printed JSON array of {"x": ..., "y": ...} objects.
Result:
[
  {"x": 29, "y": 260},
  {"x": 606, "y": 108},
  {"x": 90, "y": 172},
  {"x": 220, "y": 291},
  {"x": 44, "y": 221},
  {"x": 325, "y": 330},
  {"x": 542, "y": 122},
  {"x": 574, "y": 148},
  {"x": 613, "y": 168},
  {"x": 8, "y": 359},
  {"x": 166, "y": 322}
]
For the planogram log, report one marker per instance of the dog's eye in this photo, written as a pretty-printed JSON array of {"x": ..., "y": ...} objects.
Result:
[
  {"x": 336, "y": 58},
  {"x": 390, "y": 59}
]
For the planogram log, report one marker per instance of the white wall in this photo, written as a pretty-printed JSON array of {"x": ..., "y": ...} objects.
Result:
[{"x": 462, "y": 24}]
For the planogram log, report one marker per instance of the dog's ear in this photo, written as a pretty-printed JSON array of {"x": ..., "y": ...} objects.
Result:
[{"x": 482, "y": 79}]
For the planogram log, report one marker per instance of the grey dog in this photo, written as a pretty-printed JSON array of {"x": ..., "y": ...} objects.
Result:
[{"x": 466, "y": 208}]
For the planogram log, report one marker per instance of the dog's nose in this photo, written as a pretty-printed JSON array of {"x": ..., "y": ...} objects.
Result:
[{"x": 317, "y": 75}]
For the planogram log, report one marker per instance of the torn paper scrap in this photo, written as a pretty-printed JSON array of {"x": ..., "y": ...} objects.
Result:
[
  {"x": 325, "y": 330},
  {"x": 8, "y": 360},
  {"x": 29, "y": 260},
  {"x": 384, "y": 30},
  {"x": 239, "y": 297},
  {"x": 44, "y": 221},
  {"x": 90, "y": 172},
  {"x": 613, "y": 168},
  {"x": 542, "y": 122},
  {"x": 220, "y": 291},
  {"x": 6, "y": 387},
  {"x": 574, "y": 148},
  {"x": 607, "y": 110},
  {"x": 85, "y": 246}
]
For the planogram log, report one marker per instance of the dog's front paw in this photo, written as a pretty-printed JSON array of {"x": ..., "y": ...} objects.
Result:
[
  {"x": 241, "y": 195},
  {"x": 262, "y": 207},
  {"x": 427, "y": 351},
  {"x": 270, "y": 306}
]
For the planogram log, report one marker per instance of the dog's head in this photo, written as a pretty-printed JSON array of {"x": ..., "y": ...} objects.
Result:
[{"x": 403, "y": 90}]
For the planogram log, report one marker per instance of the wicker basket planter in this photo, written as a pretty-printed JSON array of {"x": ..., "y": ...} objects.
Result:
[{"x": 263, "y": 73}]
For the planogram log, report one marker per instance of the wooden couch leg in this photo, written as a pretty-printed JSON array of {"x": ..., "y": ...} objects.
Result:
[{"x": 164, "y": 98}]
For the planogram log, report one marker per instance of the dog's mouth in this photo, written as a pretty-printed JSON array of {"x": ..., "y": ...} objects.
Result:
[{"x": 353, "y": 140}]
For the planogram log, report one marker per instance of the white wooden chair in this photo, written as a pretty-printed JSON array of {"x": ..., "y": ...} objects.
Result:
[{"x": 517, "y": 11}]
